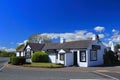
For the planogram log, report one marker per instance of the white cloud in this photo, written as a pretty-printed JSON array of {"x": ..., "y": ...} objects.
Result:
[
  {"x": 115, "y": 37},
  {"x": 10, "y": 49},
  {"x": 7, "y": 49},
  {"x": 113, "y": 30},
  {"x": 24, "y": 42},
  {"x": 76, "y": 35},
  {"x": 99, "y": 28},
  {"x": 101, "y": 35}
]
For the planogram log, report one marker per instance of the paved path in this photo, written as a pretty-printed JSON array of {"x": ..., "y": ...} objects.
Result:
[
  {"x": 3, "y": 60},
  {"x": 66, "y": 73},
  {"x": 10, "y": 72}
]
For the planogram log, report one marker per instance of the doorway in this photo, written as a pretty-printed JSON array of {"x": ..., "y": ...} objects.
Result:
[{"x": 75, "y": 58}]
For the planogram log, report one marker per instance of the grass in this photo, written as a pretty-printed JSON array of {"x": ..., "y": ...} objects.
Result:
[{"x": 44, "y": 65}]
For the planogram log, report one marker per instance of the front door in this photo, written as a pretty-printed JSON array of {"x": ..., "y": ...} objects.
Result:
[{"x": 75, "y": 58}]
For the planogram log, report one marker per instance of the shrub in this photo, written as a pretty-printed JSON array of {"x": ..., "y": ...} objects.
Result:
[
  {"x": 17, "y": 60},
  {"x": 110, "y": 58},
  {"x": 40, "y": 57}
]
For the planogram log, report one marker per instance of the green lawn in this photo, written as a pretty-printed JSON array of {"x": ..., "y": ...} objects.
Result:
[{"x": 44, "y": 65}]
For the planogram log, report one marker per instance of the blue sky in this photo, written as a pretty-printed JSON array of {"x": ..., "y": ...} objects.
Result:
[{"x": 21, "y": 18}]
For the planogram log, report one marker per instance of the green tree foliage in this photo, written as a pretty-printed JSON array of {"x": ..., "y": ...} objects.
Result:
[
  {"x": 117, "y": 46},
  {"x": 19, "y": 47},
  {"x": 40, "y": 57},
  {"x": 11, "y": 54},
  {"x": 110, "y": 58},
  {"x": 35, "y": 38},
  {"x": 4, "y": 53}
]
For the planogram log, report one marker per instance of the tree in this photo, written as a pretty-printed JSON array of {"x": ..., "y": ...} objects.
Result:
[
  {"x": 110, "y": 58},
  {"x": 117, "y": 46},
  {"x": 37, "y": 38},
  {"x": 4, "y": 53}
]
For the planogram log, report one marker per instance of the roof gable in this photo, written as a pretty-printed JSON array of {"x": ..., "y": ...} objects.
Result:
[{"x": 35, "y": 46}]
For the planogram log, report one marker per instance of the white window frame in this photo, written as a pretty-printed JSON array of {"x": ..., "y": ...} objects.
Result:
[{"x": 83, "y": 56}]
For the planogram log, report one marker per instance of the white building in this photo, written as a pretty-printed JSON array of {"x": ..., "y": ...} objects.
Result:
[{"x": 83, "y": 53}]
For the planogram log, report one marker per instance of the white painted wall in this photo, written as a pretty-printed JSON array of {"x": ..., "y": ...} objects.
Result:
[
  {"x": 17, "y": 54},
  {"x": 99, "y": 54},
  {"x": 82, "y": 64},
  {"x": 60, "y": 61},
  {"x": 28, "y": 47},
  {"x": 111, "y": 45},
  {"x": 52, "y": 57},
  {"x": 88, "y": 62},
  {"x": 68, "y": 59},
  {"x": 20, "y": 54}
]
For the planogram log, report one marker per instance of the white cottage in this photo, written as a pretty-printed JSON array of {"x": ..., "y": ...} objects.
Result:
[{"x": 82, "y": 53}]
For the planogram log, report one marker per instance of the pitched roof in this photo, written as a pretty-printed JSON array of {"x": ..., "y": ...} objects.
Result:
[
  {"x": 68, "y": 45},
  {"x": 21, "y": 49},
  {"x": 77, "y": 44},
  {"x": 36, "y": 46},
  {"x": 57, "y": 46}
]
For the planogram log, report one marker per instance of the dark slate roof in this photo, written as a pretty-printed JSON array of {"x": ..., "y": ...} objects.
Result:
[
  {"x": 68, "y": 45},
  {"x": 36, "y": 46}
]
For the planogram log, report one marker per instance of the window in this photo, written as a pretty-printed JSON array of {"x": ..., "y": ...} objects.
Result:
[
  {"x": 82, "y": 56},
  {"x": 62, "y": 57},
  {"x": 93, "y": 55}
]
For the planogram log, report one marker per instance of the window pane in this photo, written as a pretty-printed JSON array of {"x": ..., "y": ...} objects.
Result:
[
  {"x": 62, "y": 57},
  {"x": 82, "y": 56}
]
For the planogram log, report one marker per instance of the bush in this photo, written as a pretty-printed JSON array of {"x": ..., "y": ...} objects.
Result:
[
  {"x": 17, "y": 60},
  {"x": 110, "y": 58},
  {"x": 40, "y": 57}
]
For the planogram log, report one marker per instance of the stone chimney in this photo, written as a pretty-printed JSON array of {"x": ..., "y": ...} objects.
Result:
[
  {"x": 95, "y": 37},
  {"x": 62, "y": 40}
]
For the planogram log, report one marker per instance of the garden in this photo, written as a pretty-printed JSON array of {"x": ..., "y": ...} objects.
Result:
[{"x": 39, "y": 60}]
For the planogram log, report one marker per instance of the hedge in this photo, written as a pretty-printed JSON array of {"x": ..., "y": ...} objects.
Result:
[
  {"x": 110, "y": 58},
  {"x": 17, "y": 60},
  {"x": 40, "y": 57}
]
